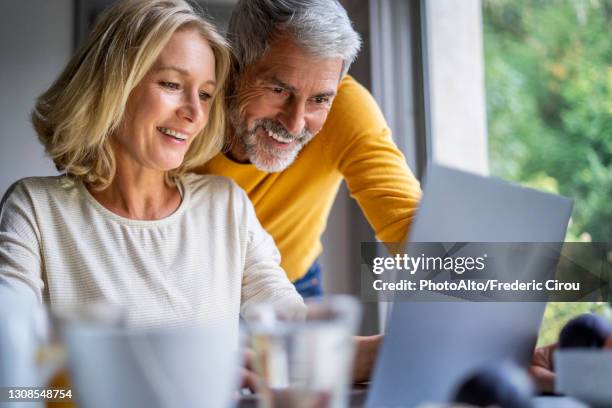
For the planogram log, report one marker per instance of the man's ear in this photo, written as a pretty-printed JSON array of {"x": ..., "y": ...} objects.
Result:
[{"x": 342, "y": 73}]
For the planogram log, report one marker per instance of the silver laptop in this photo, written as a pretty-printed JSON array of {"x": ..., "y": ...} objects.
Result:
[{"x": 430, "y": 346}]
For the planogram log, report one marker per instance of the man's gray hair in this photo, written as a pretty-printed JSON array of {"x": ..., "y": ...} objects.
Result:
[{"x": 320, "y": 27}]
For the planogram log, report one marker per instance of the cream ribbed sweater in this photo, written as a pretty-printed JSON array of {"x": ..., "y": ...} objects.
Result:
[{"x": 207, "y": 262}]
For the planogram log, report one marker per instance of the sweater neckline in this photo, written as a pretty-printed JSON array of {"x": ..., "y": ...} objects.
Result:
[{"x": 106, "y": 213}]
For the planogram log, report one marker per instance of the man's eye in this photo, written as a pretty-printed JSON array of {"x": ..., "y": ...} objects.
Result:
[
  {"x": 169, "y": 85},
  {"x": 278, "y": 90},
  {"x": 205, "y": 96},
  {"x": 321, "y": 99}
]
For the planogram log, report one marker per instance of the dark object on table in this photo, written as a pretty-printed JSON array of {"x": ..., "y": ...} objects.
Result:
[
  {"x": 502, "y": 385},
  {"x": 585, "y": 331}
]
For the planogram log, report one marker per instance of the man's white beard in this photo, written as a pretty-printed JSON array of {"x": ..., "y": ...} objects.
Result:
[{"x": 265, "y": 157}]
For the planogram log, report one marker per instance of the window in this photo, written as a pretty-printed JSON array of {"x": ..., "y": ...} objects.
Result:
[{"x": 548, "y": 67}]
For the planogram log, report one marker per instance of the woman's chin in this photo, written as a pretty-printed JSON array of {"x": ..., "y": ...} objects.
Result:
[{"x": 172, "y": 162}]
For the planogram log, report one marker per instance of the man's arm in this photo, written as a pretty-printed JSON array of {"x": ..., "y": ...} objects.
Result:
[
  {"x": 376, "y": 173},
  {"x": 365, "y": 356},
  {"x": 541, "y": 369},
  {"x": 377, "y": 176}
]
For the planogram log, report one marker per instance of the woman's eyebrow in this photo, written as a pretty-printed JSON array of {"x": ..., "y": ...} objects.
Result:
[{"x": 181, "y": 71}]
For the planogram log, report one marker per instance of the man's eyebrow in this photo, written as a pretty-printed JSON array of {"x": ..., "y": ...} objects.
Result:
[
  {"x": 181, "y": 71},
  {"x": 325, "y": 94},
  {"x": 275, "y": 80}
]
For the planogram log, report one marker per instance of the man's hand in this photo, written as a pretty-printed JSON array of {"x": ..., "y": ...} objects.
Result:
[
  {"x": 365, "y": 356},
  {"x": 541, "y": 369}
]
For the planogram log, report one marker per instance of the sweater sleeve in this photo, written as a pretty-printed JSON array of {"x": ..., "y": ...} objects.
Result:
[
  {"x": 263, "y": 279},
  {"x": 375, "y": 171},
  {"x": 20, "y": 259}
]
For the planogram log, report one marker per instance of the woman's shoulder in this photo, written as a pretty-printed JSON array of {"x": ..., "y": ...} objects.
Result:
[
  {"x": 34, "y": 194},
  {"x": 210, "y": 183},
  {"x": 35, "y": 186}
]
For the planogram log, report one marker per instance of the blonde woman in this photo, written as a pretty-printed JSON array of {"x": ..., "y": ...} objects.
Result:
[{"x": 138, "y": 107}]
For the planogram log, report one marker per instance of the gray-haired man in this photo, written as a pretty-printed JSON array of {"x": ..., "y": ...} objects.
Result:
[
  {"x": 300, "y": 126},
  {"x": 290, "y": 94}
]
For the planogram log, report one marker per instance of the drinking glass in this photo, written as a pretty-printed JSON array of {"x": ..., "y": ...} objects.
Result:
[{"x": 304, "y": 361}]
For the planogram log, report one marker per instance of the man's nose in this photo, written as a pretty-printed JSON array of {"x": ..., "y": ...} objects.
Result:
[{"x": 293, "y": 117}]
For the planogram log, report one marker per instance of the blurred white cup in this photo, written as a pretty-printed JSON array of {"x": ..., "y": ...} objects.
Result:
[{"x": 162, "y": 367}]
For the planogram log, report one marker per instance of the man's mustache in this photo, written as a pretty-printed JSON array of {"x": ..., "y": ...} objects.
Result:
[{"x": 275, "y": 127}]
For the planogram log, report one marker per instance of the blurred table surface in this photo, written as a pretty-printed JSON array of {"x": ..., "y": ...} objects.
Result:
[{"x": 359, "y": 394}]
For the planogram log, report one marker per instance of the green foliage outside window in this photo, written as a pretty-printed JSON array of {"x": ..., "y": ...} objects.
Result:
[{"x": 548, "y": 67}]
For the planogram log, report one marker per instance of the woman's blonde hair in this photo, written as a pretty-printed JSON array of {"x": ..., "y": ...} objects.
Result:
[{"x": 75, "y": 117}]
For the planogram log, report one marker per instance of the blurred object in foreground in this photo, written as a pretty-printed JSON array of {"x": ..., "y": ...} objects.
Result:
[
  {"x": 191, "y": 366},
  {"x": 585, "y": 374},
  {"x": 504, "y": 386},
  {"x": 305, "y": 361}
]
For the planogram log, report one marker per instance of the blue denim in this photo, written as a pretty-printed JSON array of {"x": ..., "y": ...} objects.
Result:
[{"x": 310, "y": 285}]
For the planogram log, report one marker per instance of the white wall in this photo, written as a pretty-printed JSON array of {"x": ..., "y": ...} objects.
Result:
[
  {"x": 35, "y": 44},
  {"x": 457, "y": 89}
]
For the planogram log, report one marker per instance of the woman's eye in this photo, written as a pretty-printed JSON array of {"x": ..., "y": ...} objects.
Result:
[
  {"x": 205, "y": 96},
  {"x": 169, "y": 85}
]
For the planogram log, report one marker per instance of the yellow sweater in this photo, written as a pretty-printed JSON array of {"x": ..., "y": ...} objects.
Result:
[{"x": 355, "y": 145}]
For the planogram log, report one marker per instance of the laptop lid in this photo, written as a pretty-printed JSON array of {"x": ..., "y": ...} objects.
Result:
[{"x": 430, "y": 346}]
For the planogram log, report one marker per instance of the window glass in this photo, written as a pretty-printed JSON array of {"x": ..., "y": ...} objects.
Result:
[{"x": 548, "y": 66}]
